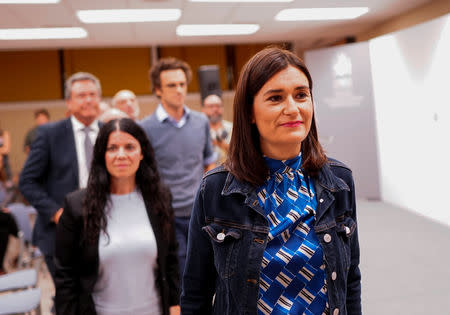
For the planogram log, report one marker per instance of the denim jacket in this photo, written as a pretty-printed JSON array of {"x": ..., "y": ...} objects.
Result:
[{"x": 228, "y": 235}]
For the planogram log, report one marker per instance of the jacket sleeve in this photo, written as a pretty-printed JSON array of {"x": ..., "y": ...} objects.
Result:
[
  {"x": 33, "y": 177},
  {"x": 67, "y": 281},
  {"x": 354, "y": 275},
  {"x": 199, "y": 273}
]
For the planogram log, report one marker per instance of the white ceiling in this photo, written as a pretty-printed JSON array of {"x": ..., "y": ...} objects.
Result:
[{"x": 305, "y": 34}]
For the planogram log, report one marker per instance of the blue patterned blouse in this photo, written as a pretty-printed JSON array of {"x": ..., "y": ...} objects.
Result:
[{"x": 292, "y": 279}]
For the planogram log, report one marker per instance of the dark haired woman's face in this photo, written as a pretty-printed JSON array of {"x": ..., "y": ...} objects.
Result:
[
  {"x": 123, "y": 155},
  {"x": 282, "y": 112}
]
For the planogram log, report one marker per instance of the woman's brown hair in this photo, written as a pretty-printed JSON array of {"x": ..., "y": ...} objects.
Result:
[{"x": 245, "y": 159}]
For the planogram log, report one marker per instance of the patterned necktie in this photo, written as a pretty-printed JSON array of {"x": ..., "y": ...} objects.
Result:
[{"x": 88, "y": 147}]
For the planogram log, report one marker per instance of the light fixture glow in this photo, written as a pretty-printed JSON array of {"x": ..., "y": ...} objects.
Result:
[
  {"x": 216, "y": 29},
  {"x": 241, "y": 0},
  {"x": 27, "y": 1},
  {"x": 128, "y": 15},
  {"x": 42, "y": 33},
  {"x": 315, "y": 14}
]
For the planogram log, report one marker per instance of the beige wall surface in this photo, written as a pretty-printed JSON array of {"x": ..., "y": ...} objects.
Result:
[{"x": 429, "y": 11}]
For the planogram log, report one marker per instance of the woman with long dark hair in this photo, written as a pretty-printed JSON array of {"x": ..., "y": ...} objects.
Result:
[
  {"x": 274, "y": 230},
  {"x": 116, "y": 251}
]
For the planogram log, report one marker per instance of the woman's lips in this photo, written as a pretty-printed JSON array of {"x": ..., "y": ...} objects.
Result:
[{"x": 292, "y": 123}]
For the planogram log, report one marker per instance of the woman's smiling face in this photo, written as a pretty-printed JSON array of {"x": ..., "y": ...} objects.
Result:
[{"x": 282, "y": 112}]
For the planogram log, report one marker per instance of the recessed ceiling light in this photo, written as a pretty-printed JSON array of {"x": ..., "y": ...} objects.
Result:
[
  {"x": 128, "y": 15},
  {"x": 216, "y": 29},
  {"x": 312, "y": 14},
  {"x": 27, "y": 1},
  {"x": 42, "y": 33},
  {"x": 241, "y": 0}
]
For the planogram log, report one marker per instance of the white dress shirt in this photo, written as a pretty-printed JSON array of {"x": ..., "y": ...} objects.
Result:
[{"x": 79, "y": 135}]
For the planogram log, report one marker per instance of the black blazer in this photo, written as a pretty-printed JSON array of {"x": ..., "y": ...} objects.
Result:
[
  {"x": 49, "y": 174},
  {"x": 77, "y": 262}
]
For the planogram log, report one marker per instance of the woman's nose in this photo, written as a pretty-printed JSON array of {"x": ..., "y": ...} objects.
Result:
[{"x": 290, "y": 105}]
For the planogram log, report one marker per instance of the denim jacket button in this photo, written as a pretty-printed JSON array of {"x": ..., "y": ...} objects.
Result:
[
  {"x": 327, "y": 238},
  {"x": 347, "y": 230},
  {"x": 220, "y": 236},
  {"x": 321, "y": 200},
  {"x": 333, "y": 275},
  {"x": 336, "y": 311}
]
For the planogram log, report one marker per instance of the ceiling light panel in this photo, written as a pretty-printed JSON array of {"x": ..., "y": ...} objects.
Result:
[
  {"x": 223, "y": 1},
  {"x": 27, "y": 1},
  {"x": 42, "y": 33},
  {"x": 128, "y": 15},
  {"x": 316, "y": 14},
  {"x": 216, "y": 29}
]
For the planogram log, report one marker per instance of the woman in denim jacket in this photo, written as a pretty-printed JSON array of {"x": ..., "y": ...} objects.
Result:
[{"x": 273, "y": 231}]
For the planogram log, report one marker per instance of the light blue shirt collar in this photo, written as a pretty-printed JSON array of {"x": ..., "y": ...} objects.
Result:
[{"x": 162, "y": 115}]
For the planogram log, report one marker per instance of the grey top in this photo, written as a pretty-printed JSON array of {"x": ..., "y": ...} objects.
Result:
[
  {"x": 126, "y": 281},
  {"x": 181, "y": 150}
]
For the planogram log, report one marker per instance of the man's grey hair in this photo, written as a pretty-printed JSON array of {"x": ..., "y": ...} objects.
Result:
[{"x": 80, "y": 76}]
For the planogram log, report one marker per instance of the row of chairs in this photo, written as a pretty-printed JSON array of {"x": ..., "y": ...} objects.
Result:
[{"x": 19, "y": 293}]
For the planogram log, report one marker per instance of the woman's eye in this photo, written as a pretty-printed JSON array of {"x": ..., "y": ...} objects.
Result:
[
  {"x": 275, "y": 98},
  {"x": 111, "y": 149},
  {"x": 302, "y": 95},
  {"x": 129, "y": 147}
]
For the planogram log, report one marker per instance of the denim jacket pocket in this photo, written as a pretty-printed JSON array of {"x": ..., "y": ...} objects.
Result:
[
  {"x": 225, "y": 241},
  {"x": 345, "y": 228}
]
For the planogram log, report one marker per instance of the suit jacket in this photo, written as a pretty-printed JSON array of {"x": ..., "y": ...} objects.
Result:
[
  {"x": 77, "y": 261},
  {"x": 50, "y": 172}
]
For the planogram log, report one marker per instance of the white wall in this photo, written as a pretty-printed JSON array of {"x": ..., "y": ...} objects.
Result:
[{"x": 411, "y": 81}]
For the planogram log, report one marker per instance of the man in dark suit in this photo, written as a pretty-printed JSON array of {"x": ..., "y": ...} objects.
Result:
[{"x": 59, "y": 159}]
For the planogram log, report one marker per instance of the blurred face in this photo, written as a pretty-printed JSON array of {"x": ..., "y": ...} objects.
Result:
[
  {"x": 41, "y": 119},
  {"x": 282, "y": 112},
  {"x": 126, "y": 101},
  {"x": 123, "y": 156},
  {"x": 84, "y": 101},
  {"x": 213, "y": 108},
  {"x": 173, "y": 88}
]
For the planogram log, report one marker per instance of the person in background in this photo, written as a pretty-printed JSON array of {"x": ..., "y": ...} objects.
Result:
[
  {"x": 116, "y": 250},
  {"x": 5, "y": 148},
  {"x": 41, "y": 117},
  {"x": 112, "y": 113},
  {"x": 103, "y": 107},
  {"x": 274, "y": 231},
  {"x": 59, "y": 159},
  {"x": 219, "y": 128},
  {"x": 126, "y": 101},
  {"x": 8, "y": 225},
  {"x": 180, "y": 137}
]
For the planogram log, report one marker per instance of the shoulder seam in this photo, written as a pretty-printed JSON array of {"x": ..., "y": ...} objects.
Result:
[{"x": 216, "y": 170}]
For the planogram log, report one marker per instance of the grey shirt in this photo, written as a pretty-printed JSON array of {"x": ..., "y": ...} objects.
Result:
[
  {"x": 182, "y": 150},
  {"x": 126, "y": 282}
]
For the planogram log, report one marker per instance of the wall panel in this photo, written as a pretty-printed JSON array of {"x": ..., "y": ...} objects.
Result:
[
  {"x": 29, "y": 75},
  {"x": 117, "y": 68}
]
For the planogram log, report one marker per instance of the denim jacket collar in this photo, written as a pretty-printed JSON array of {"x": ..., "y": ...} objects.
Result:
[{"x": 326, "y": 179}]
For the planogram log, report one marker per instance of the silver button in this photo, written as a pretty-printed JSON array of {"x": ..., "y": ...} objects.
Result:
[
  {"x": 347, "y": 230},
  {"x": 321, "y": 200},
  {"x": 333, "y": 275},
  {"x": 336, "y": 311},
  {"x": 220, "y": 236},
  {"x": 327, "y": 238}
]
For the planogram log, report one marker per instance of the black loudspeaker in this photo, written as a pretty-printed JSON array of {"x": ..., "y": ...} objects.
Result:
[{"x": 209, "y": 81}]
